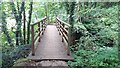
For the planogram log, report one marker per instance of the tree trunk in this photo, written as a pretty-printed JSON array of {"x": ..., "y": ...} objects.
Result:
[
  {"x": 24, "y": 25},
  {"x": 4, "y": 29},
  {"x": 18, "y": 18},
  {"x": 28, "y": 25}
]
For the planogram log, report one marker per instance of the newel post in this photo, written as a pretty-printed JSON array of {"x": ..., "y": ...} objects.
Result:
[
  {"x": 69, "y": 39},
  {"x": 32, "y": 32}
]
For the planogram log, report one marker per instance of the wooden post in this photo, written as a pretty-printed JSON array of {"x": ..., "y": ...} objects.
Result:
[
  {"x": 45, "y": 23},
  {"x": 39, "y": 31},
  {"x": 42, "y": 28},
  {"x": 56, "y": 22},
  {"x": 63, "y": 33},
  {"x": 33, "y": 49},
  {"x": 69, "y": 40},
  {"x": 59, "y": 27}
]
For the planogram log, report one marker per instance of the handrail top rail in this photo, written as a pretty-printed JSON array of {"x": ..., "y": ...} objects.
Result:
[
  {"x": 63, "y": 22},
  {"x": 32, "y": 24}
]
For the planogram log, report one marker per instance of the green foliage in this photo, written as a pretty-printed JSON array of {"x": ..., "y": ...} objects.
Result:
[
  {"x": 98, "y": 43},
  {"x": 99, "y": 22},
  {"x": 11, "y": 54},
  {"x": 101, "y": 57},
  {"x": 98, "y": 28}
]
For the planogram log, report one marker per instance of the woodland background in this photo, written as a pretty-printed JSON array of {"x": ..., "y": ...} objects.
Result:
[{"x": 95, "y": 30}]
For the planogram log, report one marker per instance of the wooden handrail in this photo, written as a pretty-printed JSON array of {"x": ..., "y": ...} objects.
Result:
[
  {"x": 39, "y": 21},
  {"x": 63, "y": 22},
  {"x": 40, "y": 30},
  {"x": 63, "y": 31}
]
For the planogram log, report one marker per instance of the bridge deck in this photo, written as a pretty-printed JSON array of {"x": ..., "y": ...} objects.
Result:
[{"x": 51, "y": 46}]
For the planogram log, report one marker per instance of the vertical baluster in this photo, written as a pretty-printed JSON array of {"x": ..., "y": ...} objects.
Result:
[
  {"x": 39, "y": 31},
  {"x": 43, "y": 25},
  {"x": 56, "y": 22},
  {"x": 32, "y": 32},
  {"x": 63, "y": 33},
  {"x": 42, "y": 28},
  {"x": 57, "y": 25},
  {"x": 59, "y": 28}
]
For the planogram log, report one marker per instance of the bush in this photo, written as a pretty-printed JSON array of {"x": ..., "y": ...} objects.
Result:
[
  {"x": 11, "y": 54},
  {"x": 107, "y": 57}
]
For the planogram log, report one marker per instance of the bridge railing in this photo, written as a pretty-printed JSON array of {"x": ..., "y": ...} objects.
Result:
[
  {"x": 37, "y": 32},
  {"x": 63, "y": 29}
]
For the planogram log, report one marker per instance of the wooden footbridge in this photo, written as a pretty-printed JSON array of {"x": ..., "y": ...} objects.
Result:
[{"x": 50, "y": 42}]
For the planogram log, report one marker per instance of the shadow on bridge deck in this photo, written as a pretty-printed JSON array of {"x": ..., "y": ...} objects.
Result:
[{"x": 51, "y": 46}]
